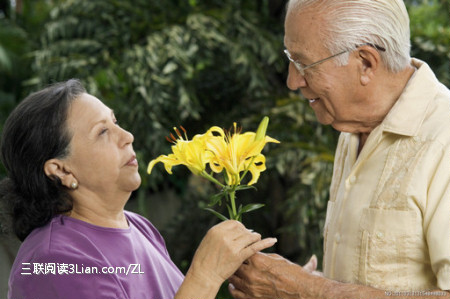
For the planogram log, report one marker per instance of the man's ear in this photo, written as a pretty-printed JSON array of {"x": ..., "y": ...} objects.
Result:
[
  {"x": 370, "y": 60},
  {"x": 56, "y": 168}
]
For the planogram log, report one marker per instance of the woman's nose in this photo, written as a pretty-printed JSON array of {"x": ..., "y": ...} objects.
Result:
[{"x": 127, "y": 137}]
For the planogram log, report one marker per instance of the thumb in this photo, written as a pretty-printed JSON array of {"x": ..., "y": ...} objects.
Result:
[{"x": 311, "y": 265}]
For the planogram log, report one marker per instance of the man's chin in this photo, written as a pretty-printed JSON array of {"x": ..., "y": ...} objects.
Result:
[{"x": 324, "y": 119}]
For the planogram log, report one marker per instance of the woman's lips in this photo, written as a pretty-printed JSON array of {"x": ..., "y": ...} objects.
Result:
[{"x": 132, "y": 162}]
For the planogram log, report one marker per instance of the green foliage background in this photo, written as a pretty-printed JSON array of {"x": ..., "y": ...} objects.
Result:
[{"x": 196, "y": 63}]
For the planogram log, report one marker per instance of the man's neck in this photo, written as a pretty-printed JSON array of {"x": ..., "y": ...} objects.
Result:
[{"x": 395, "y": 83}]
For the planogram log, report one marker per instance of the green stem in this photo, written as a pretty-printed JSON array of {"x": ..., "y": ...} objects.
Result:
[
  {"x": 212, "y": 179},
  {"x": 233, "y": 204}
]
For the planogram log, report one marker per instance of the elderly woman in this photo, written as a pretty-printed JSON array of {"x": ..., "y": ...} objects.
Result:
[{"x": 71, "y": 169}]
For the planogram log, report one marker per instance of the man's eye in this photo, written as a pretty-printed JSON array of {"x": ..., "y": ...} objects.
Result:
[{"x": 103, "y": 131}]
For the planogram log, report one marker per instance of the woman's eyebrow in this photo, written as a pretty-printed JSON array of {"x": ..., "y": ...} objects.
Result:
[{"x": 102, "y": 121}]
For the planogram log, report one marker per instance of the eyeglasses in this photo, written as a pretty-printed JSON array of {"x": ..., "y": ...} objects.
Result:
[{"x": 301, "y": 67}]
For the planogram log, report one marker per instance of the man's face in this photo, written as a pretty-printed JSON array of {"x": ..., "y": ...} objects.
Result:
[{"x": 334, "y": 92}]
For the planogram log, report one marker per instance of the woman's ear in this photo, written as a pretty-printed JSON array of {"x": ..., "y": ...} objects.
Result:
[
  {"x": 370, "y": 60},
  {"x": 56, "y": 168}
]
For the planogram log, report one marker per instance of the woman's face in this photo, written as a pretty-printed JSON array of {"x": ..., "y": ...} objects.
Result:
[{"x": 101, "y": 158}]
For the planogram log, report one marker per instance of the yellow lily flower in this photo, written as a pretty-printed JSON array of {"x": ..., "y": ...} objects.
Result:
[
  {"x": 220, "y": 149},
  {"x": 190, "y": 153},
  {"x": 236, "y": 153}
]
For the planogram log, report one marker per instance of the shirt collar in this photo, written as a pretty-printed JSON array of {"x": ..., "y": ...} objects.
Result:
[{"x": 408, "y": 113}]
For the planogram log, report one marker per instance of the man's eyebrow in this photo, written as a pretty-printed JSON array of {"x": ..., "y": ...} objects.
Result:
[{"x": 296, "y": 55}]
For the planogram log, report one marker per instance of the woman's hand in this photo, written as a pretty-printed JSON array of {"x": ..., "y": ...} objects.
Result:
[{"x": 225, "y": 247}]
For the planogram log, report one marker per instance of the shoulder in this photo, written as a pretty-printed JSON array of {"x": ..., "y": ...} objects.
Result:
[
  {"x": 141, "y": 223},
  {"x": 58, "y": 242},
  {"x": 147, "y": 229},
  {"x": 64, "y": 240},
  {"x": 52, "y": 262},
  {"x": 431, "y": 101}
]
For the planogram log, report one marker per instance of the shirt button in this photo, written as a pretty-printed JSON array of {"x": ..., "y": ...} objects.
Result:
[
  {"x": 380, "y": 235},
  {"x": 337, "y": 238},
  {"x": 352, "y": 179}
]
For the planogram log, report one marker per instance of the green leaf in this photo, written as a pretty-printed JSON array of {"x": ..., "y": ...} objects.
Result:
[
  {"x": 251, "y": 207},
  {"x": 220, "y": 216},
  {"x": 245, "y": 187},
  {"x": 216, "y": 199}
]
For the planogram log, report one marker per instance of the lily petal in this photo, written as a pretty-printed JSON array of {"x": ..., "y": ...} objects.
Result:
[{"x": 258, "y": 165}]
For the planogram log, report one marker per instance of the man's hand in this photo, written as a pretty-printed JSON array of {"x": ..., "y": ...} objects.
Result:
[
  {"x": 266, "y": 276},
  {"x": 311, "y": 266},
  {"x": 269, "y": 276}
]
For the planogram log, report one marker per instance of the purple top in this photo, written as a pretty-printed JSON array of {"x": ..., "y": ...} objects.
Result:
[{"x": 72, "y": 259}]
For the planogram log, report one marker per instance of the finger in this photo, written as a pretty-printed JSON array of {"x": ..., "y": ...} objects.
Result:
[
  {"x": 234, "y": 225},
  {"x": 259, "y": 259},
  {"x": 311, "y": 265},
  {"x": 258, "y": 246},
  {"x": 318, "y": 273},
  {"x": 246, "y": 239},
  {"x": 238, "y": 283},
  {"x": 237, "y": 294},
  {"x": 275, "y": 256},
  {"x": 230, "y": 225},
  {"x": 240, "y": 272}
]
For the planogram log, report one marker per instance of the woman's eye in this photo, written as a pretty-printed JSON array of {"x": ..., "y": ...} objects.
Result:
[{"x": 103, "y": 131}]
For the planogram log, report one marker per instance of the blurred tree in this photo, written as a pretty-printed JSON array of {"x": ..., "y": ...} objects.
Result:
[
  {"x": 430, "y": 30},
  {"x": 198, "y": 63},
  {"x": 20, "y": 29}
]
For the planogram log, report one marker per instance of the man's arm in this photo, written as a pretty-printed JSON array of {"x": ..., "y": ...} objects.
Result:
[{"x": 271, "y": 276}]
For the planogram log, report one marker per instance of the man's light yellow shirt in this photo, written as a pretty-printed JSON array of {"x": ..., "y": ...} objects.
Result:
[{"x": 388, "y": 217}]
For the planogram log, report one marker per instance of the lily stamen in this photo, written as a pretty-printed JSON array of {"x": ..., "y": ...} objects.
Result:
[
  {"x": 178, "y": 133},
  {"x": 184, "y": 131}
]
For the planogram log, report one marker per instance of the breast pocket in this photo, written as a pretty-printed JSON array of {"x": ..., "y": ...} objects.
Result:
[{"x": 391, "y": 243}]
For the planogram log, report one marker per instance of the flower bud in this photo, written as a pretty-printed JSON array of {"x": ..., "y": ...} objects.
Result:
[{"x": 262, "y": 128}]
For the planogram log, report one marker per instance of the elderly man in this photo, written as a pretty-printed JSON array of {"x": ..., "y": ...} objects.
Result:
[{"x": 387, "y": 229}]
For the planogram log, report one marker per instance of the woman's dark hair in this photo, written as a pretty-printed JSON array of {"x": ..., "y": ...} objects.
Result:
[{"x": 35, "y": 132}]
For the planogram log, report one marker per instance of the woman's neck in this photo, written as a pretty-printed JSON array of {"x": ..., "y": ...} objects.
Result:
[
  {"x": 100, "y": 211},
  {"x": 105, "y": 219}
]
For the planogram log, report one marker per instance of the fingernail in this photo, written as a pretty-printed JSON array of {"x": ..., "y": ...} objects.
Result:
[
  {"x": 274, "y": 240},
  {"x": 231, "y": 286},
  {"x": 251, "y": 230}
]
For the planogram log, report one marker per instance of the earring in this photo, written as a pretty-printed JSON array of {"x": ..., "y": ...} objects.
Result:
[{"x": 74, "y": 185}]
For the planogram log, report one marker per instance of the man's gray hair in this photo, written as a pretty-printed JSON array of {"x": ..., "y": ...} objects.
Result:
[{"x": 355, "y": 22}]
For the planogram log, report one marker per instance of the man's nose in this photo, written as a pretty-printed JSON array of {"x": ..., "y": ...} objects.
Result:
[{"x": 295, "y": 80}]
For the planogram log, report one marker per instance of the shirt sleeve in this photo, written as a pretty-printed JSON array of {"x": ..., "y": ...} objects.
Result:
[
  {"x": 437, "y": 220},
  {"x": 65, "y": 276}
]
